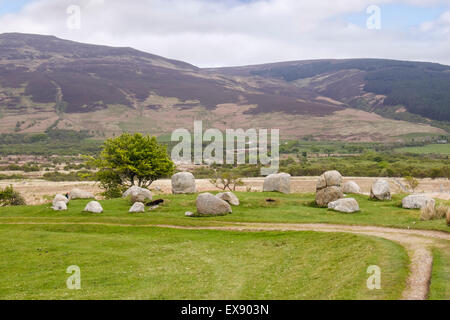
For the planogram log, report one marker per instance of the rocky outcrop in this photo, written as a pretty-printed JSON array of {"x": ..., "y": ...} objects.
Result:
[
  {"x": 93, "y": 207},
  {"x": 229, "y": 197},
  {"x": 208, "y": 204},
  {"x": 380, "y": 190},
  {"x": 280, "y": 182},
  {"x": 183, "y": 183},
  {"x": 347, "y": 205}
]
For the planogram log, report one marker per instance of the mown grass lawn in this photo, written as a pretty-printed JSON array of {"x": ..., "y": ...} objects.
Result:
[
  {"x": 293, "y": 208},
  {"x": 157, "y": 263},
  {"x": 123, "y": 258}
]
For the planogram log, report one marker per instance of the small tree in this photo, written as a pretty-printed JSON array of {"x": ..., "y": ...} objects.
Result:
[
  {"x": 132, "y": 159},
  {"x": 10, "y": 197},
  {"x": 412, "y": 183},
  {"x": 228, "y": 179}
]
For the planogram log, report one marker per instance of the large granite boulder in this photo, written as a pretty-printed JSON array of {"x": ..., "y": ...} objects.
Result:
[
  {"x": 327, "y": 195},
  {"x": 93, "y": 207},
  {"x": 208, "y": 204},
  {"x": 59, "y": 198},
  {"x": 138, "y": 207},
  {"x": 351, "y": 187},
  {"x": 380, "y": 190},
  {"x": 59, "y": 206},
  {"x": 347, "y": 205},
  {"x": 328, "y": 188},
  {"x": 80, "y": 194},
  {"x": 280, "y": 182},
  {"x": 229, "y": 197},
  {"x": 183, "y": 183},
  {"x": 416, "y": 201},
  {"x": 138, "y": 194}
]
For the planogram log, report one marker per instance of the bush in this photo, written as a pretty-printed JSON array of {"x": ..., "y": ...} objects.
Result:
[
  {"x": 442, "y": 212},
  {"x": 10, "y": 197}
]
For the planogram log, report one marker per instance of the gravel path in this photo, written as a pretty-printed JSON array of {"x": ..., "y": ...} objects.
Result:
[{"x": 416, "y": 242}]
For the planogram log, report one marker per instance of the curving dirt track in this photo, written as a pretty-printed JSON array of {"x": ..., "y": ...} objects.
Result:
[{"x": 416, "y": 242}]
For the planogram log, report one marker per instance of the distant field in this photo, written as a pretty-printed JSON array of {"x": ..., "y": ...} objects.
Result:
[{"x": 431, "y": 148}]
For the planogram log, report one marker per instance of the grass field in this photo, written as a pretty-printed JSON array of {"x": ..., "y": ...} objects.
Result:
[
  {"x": 154, "y": 263},
  {"x": 428, "y": 149},
  {"x": 123, "y": 258}
]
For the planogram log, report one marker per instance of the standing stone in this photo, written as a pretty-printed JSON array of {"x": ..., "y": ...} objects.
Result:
[
  {"x": 183, "y": 183},
  {"x": 138, "y": 207},
  {"x": 93, "y": 207},
  {"x": 327, "y": 195},
  {"x": 348, "y": 205},
  {"x": 351, "y": 187},
  {"x": 328, "y": 188},
  {"x": 416, "y": 201},
  {"x": 280, "y": 182},
  {"x": 80, "y": 194},
  {"x": 229, "y": 197},
  {"x": 138, "y": 194},
  {"x": 59, "y": 206},
  {"x": 380, "y": 190},
  {"x": 208, "y": 204}
]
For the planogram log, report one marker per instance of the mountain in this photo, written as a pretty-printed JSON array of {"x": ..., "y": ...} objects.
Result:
[{"x": 46, "y": 82}]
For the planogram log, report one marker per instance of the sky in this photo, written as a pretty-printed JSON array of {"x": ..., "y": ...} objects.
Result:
[{"x": 214, "y": 33}]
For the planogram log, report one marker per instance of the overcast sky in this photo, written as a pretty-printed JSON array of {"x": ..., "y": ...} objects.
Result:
[{"x": 211, "y": 33}]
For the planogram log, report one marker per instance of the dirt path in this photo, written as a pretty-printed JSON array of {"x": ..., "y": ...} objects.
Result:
[{"x": 416, "y": 242}]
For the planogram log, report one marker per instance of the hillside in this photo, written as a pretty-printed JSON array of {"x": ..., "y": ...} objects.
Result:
[{"x": 46, "y": 82}]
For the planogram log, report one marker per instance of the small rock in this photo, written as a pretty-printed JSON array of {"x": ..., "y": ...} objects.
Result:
[
  {"x": 80, "y": 194},
  {"x": 60, "y": 197},
  {"x": 183, "y": 183},
  {"x": 137, "y": 194},
  {"x": 380, "y": 190},
  {"x": 327, "y": 195},
  {"x": 93, "y": 207},
  {"x": 351, "y": 187},
  {"x": 59, "y": 206},
  {"x": 348, "y": 205},
  {"x": 229, "y": 197},
  {"x": 138, "y": 207},
  {"x": 153, "y": 208},
  {"x": 209, "y": 204},
  {"x": 280, "y": 182},
  {"x": 189, "y": 214}
]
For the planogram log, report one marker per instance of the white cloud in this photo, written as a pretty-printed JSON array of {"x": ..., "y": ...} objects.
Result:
[{"x": 218, "y": 33}]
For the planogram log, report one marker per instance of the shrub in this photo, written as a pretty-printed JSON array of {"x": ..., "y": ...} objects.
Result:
[
  {"x": 430, "y": 212},
  {"x": 442, "y": 212},
  {"x": 10, "y": 197}
]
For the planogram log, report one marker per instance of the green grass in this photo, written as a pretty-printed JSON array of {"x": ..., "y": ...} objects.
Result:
[
  {"x": 156, "y": 263},
  {"x": 428, "y": 149},
  {"x": 292, "y": 208},
  {"x": 440, "y": 279}
]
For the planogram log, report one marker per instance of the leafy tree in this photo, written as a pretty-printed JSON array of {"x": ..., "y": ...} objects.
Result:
[
  {"x": 228, "y": 179},
  {"x": 132, "y": 159},
  {"x": 412, "y": 182}
]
